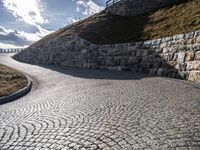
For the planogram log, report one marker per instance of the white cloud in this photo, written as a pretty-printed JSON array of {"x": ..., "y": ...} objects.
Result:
[
  {"x": 42, "y": 32},
  {"x": 10, "y": 38},
  {"x": 32, "y": 37},
  {"x": 13, "y": 37},
  {"x": 88, "y": 7},
  {"x": 71, "y": 20},
  {"x": 28, "y": 11}
]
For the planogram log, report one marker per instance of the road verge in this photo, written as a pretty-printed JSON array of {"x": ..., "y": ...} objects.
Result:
[{"x": 18, "y": 94}]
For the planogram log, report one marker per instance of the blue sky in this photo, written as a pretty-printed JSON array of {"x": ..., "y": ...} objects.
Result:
[{"x": 24, "y": 21}]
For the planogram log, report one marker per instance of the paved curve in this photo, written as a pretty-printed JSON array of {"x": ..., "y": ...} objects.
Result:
[{"x": 89, "y": 109}]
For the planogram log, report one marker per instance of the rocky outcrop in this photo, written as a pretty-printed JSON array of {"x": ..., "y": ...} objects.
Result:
[
  {"x": 137, "y": 7},
  {"x": 177, "y": 56}
]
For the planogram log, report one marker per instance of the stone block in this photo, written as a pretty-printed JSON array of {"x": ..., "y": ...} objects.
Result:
[
  {"x": 133, "y": 53},
  {"x": 163, "y": 45},
  {"x": 171, "y": 73},
  {"x": 156, "y": 42},
  {"x": 196, "y": 48},
  {"x": 139, "y": 44},
  {"x": 193, "y": 65},
  {"x": 165, "y": 50},
  {"x": 139, "y": 53},
  {"x": 145, "y": 59},
  {"x": 197, "y": 55},
  {"x": 131, "y": 48},
  {"x": 198, "y": 39},
  {"x": 145, "y": 53},
  {"x": 123, "y": 62},
  {"x": 180, "y": 66},
  {"x": 191, "y": 41},
  {"x": 157, "y": 65},
  {"x": 171, "y": 64},
  {"x": 159, "y": 50},
  {"x": 160, "y": 71},
  {"x": 194, "y": 76},
  {"x": 153, "y": 71},
  {"x": 110, "y": 61},
  {"x": 180, "y": 48},
  {"x": 175, "y": 57},
  {"x": 167, "y": 39},
  {"x": 168, "y": 57},
  {"x": 178, "y": 37},
  {"x": 83, "y": 51},
  {"x": 189, "y": 35},
  {"x": 147, "y": 43},
  {"x": 189, "y": 56},
  {"x": 131, "y": 44},
  {"x": 158, "y": 56},
  {"x": 182, "y": 75},
  {"x": 133, "y": 60},
  {"x": 197, "y": 33},
  {"x": 117, "y": 60},
  {"x": 181, "y": 57}
]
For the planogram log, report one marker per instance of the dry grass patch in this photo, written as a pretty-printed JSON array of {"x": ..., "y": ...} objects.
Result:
[
  {"x": 11, "y": 80},
  {"x": 183, "y": 17}
]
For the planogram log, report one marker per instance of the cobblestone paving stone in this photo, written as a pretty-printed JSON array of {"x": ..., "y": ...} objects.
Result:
[{"x": 92, "y": 109}]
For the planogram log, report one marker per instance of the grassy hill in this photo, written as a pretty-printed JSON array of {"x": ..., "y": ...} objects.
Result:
[{"x": 104, "y": 28}]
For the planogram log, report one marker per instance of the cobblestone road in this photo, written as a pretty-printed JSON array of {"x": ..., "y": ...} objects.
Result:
[{"x": 90, "y": 109}]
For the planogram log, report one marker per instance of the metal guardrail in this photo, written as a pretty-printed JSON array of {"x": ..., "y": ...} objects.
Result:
[
  {"x": 111, "y": 2},
  {"x": 10, "y": 50}
]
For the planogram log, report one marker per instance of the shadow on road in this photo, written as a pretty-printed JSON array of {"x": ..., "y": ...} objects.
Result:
[{"x": 97, "y": 74}]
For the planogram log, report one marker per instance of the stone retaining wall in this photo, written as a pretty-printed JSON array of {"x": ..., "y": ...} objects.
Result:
[
  {"x": 177, "y": 56},
  {"x": 136, "y": 7}
]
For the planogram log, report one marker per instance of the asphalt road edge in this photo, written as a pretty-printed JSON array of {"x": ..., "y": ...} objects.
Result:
[{"x": 18, "y": 94}]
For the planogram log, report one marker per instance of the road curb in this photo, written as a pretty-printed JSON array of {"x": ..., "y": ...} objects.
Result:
[{"x": 17, "y": 94}]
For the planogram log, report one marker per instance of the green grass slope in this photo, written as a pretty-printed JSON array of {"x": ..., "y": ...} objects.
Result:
[{"x": 105, "y": 28}]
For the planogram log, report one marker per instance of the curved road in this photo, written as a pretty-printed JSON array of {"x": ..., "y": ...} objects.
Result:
[{"x": 90, "y": 109}]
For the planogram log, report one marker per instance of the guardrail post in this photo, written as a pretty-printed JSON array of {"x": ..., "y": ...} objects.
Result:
[{"x": 111, "y": 2}]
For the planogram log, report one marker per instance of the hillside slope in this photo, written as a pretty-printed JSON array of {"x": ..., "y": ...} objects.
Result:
[{"x": 104, "y": 28}]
